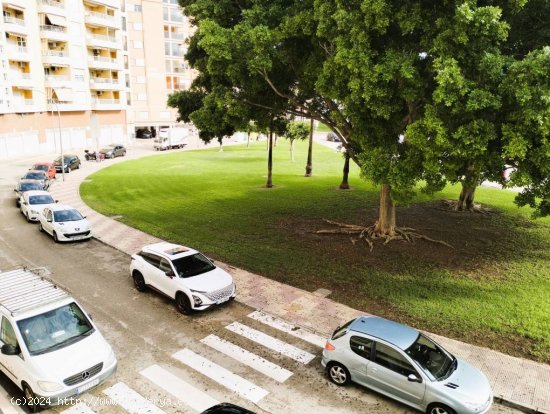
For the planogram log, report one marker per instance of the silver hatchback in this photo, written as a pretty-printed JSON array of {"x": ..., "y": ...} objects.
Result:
[{"x": 404, "y": 364}]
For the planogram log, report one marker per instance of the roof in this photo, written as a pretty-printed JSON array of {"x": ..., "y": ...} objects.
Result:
[
  {"x": 58, "y": 207},
  {"x": 22, "y": 290},
  {"x": 395, "y": 333},
  {"x": 31, "y": 193},
  {"x": 28, "y": 181},
  {"x": 170, "y": 250}
]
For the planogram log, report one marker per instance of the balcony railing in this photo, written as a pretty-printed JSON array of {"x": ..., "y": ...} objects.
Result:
[
  {"x": 25, "y": 76},
  {"x": 53, "y": 3},
  {"x": 18, "y": 49},
  {"x": 14, "y": 20},
  {"x": 51, "y": 28},
  {"x": 104, "y": 16},
  {"x": 58, "y": 78},
  {"x": 28, "y": 101},
  {"x": 111, "y": 101},
  {"x": 103, "y": 37},
  {"x": 56, "y": 53},
  {"x": 104, "y": 80}
]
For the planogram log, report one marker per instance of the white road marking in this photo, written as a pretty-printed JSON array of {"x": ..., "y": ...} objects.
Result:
[
  {"x": 288, "y": 328},
  {"x": 248, "y": 358},
  {"x": 221, "y": 375},
  {"x": 130, "y": 400},
  {"x": 191, "y": 396},
  {"x": 79, "y": 408},
  {"x": 275, "y": 344}
]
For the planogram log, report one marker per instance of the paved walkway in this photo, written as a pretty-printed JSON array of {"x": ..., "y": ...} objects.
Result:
[{"x": 521, "y": 383}]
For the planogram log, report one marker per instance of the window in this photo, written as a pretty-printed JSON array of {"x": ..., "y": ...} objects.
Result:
[
  {"x": 164, "y": 265},
  {"x": 140, "y": 79},
  {"x": 140, "y": 62},
  {"x": 7, "y": 335},
  {"x": 138, "y": 26},
  {"x": 142, "y": 97},
  {"x": 151, "y": 259},
  {"x": 138, "y": 44},
  {"x": 361, "y": 346},
  {"x": 137, "y": 7},
  {"x": 175, "y": 15},
  {"x": 393, "y": 360}
]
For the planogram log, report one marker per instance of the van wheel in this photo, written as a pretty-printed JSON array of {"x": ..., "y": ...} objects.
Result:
[
  {"x": 183, "y": 304},
  {"x": 438, "y": 408},
  {"x": 338, "y": 374},
  {"x": 139, "y": 282},
  {"x": 30, "y": 399}
]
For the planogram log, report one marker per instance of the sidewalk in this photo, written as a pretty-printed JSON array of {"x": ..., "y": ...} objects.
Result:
[{"x": 516, "y": 382}]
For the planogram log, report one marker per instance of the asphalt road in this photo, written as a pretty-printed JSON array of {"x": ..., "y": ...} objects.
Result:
[{"x": 146, "y": 330}]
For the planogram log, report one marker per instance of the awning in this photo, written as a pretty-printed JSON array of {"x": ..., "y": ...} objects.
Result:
[
  {"x": 57, "y": 20},
  {"x": 63, "y": 94},
  {"x": 15, "y": 6}
]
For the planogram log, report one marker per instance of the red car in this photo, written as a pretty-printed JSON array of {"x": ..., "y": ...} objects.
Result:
[{"x": 47, "y": 167}]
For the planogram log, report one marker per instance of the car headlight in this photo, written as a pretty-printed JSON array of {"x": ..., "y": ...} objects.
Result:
[
  {"x": 49, "y": 386},
  {"x": 474, "y": 406},
  {"x": 196, "y": 300},
  {"x": 111, "y": 359}
]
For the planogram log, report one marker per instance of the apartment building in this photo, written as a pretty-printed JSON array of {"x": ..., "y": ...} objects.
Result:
[
  {"x": 157, "y": 34},
  {"x": 61, "y": 68}
]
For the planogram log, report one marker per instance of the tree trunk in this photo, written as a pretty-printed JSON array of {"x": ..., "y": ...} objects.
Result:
[
  {"x": 269, "y": 160},
  {"x": 309, "y": 165},
  {"x": 292, "y": 150},
  {"x": 466, "y": 198},
  {"x": 345, "y": 173},
  {"x": 385, "y": 226},
  {"x": 248, "y": 139}
]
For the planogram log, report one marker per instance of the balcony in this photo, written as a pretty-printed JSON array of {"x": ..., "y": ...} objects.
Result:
[
  {"x": 54, "y": 57},
  {"x": 24, "y": 105},
  {"x": 105, "y": 84},
  {"x": 21, "y": 79},
  {"x": 115, "y": 4},
  {"x": 15, "y": 25},
  {"x": 57, "y": 80},
  {"x": 103, "y": 62},
  {"x": 103, "y": 41},
  {"x": 105, "y": 104},
  {"x": 18, "y": 53},
  {"x": 51, "y": 6},
  {"x": 51, "y": 32},
  {"x": 102, "y": 19}
]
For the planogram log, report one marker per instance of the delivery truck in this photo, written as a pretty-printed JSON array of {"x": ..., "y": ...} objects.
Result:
[{"x": 171, "y": 138}]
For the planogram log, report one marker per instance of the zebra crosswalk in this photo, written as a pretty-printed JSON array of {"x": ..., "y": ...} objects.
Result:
[{"x": 213, "y": 358}]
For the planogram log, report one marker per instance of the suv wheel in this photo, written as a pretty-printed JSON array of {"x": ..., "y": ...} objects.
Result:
[
  {"x": 339, "y": 374},
  {"x": 139, "y": 282},
  {"x": 183, "y": 304}
]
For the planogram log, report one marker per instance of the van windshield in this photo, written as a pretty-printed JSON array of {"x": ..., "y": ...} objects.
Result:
[{"x": 55, "y": 329}]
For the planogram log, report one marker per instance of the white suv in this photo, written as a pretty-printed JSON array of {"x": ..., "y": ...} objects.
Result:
[
  {"x": 183, "y": 274},
  {"x": 50, "y": 348}
]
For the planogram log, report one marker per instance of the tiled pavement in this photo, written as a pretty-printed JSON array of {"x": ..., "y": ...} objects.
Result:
[{"x": 521, "y": 383}]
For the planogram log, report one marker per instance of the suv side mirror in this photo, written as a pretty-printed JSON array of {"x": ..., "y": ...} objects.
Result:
[
  {"x": 8, "y": 349},
  {"x": 170, "y": 273},
  {"x": 413, "y": 378}
]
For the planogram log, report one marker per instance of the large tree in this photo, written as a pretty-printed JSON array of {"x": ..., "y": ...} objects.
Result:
[{"x": 374, "y": 71}]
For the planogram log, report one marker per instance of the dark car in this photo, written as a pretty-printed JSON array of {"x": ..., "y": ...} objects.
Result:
[
  {"x": 25, "y": 185},
  {"x": 331, "y": 136},
  {"x": 144, "y": 133},
  {"x": 70, "y": 162},
  {"x": 114, "y": 150},
  {"x": 38, "y": 176},
  {"x": 227, "y": 408}
]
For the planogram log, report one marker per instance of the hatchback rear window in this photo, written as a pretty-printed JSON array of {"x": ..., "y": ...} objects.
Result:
[{"x": 341, "y": 330}]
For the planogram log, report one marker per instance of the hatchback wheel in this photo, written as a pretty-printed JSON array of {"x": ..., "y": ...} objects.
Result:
[
  {"x": 40, "y": 228},
  {"x": 183, "y": 304},
  {"x": 30, "y": 399},
  {"x": 27, "y": 217},
  {"x": 338, "y": 374},
  {"x": 55, "y": 238},
  {"x": 139, "y": 282},
  {"x": 438, "y": 408}
]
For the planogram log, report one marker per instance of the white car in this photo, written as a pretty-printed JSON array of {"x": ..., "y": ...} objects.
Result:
[
  {"x": 183, "y": 274},
  {"x": 64, "y": 223},
  {"x": 32, "y": 203},
  {"x": 50, "y": 347}
]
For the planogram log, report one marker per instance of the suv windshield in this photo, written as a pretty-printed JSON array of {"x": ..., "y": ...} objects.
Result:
[
  {"x": 431, "y": 358},
  {"x": 54, "y": 329},
  {"x": 66, "y": 215},
  {"x": 41, "y": 199},
  {"x": 193, "y": 265}
]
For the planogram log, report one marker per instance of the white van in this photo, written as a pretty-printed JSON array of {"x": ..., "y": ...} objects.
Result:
[
  {"x": 176, "y": 137},
  {"x": 50, "y": 348}
]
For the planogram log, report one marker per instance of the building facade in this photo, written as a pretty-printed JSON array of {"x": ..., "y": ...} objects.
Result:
[{"x": 93, "y": 71}]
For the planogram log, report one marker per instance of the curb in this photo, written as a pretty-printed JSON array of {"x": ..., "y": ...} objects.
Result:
[{"x": 519, "y": 406}]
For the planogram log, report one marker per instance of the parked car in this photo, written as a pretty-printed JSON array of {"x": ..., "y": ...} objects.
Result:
[
  {"x": 64, "y": 223},
  {"x": 51, "y": 349},
  {"x": 331, "y": 136},
  {"x": 47, "y": 167},
  {"x": 38, "y": 176},
  {"x": 144, "y": 133},
  {"x": 227, "y": 408},
  {"x": 32, "y": 204},
  {"x": 25, "y": 185},
  {"x": 403, "y": 363},
  {"x": 183, "y": 274},
  {"x": 112, "y": 151},
  {"x": 70, "y": 162}
]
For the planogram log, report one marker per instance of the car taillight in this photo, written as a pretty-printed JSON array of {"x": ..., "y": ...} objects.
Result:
[{"x": 329, "y": 346}]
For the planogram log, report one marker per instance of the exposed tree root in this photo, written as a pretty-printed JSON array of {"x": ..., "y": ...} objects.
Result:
[
  {"x": 454, "y": 206},
  {"x": 369, "y": 235}
]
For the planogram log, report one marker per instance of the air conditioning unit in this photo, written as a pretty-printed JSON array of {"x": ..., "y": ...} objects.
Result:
[
  {"x": 21, "y": 64},
  {"x": 53, "y": 45},
  {"x": 53, "y": 68},
  {"x": 96, "y": 52},
  {"x": 99, "y": 93}
]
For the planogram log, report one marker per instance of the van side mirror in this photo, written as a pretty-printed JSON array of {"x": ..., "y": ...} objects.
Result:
[
  {"x": 413, "y": 378},
  {"x": 8, "y": 349}
]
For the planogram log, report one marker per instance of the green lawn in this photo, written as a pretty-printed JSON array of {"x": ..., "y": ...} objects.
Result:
[{"x": 491, "y": 289}]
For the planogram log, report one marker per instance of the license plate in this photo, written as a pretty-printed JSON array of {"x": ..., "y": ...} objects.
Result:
[
  {"x": 222, "y": 301},
  {"x": 87, "y": 386}
]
